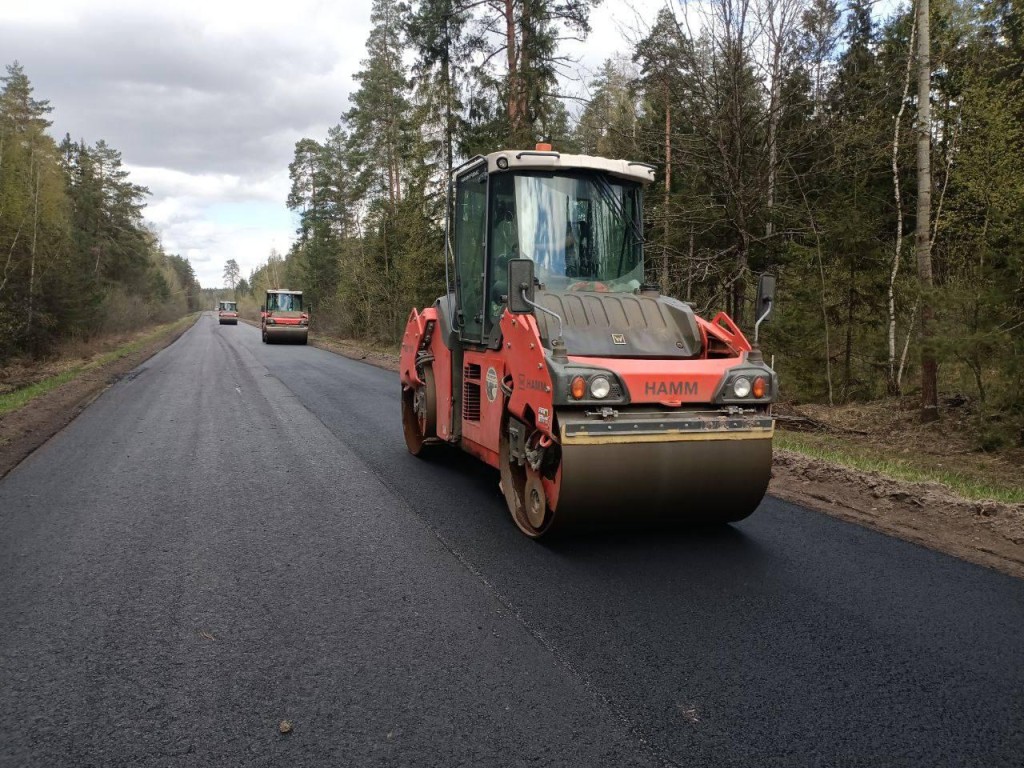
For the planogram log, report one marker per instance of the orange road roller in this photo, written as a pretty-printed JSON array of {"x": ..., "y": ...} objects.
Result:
[{"x": 601, "y": 401}]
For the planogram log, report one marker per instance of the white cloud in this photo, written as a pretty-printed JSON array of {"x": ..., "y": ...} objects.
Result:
[{"x": 204, "y": 99}]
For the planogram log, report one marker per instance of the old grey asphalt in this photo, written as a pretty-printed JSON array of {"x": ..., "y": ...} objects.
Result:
[{"x": 234, "y": 535}]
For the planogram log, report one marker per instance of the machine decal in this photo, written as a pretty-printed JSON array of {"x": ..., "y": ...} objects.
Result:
[
  {"x": 492, "y": 385},
  {"x": 543, "y": 416},
  {"x": 534, "y": 384},
  {"x": 670, "y": 388},
  {"x": 618, "y": 338}
]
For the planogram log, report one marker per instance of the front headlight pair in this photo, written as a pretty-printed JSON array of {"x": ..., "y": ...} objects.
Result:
[
  {"x": 596, "y": 387},
  {"x": 747, "y": 386}
]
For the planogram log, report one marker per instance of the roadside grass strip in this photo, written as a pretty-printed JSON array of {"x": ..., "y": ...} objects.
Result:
[
  {"x": 19, "y": 398},
  {"x": 976, "y": 485}
]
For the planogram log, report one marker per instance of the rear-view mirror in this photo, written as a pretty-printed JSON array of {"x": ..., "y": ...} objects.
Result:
[
  {"x": 765, "y": 297},
  {"x": 520, "y": 281}
]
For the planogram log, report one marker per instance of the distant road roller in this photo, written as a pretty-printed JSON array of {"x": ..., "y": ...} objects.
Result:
[
  {"x": 227, "y": 312},
  {"x": 282, "y": 317},
  {"x": 600, "y": 401}
]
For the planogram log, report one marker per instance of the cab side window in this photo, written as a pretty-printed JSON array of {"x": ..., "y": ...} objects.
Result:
[
  {"x": 504, "y": 244},
  {"x": 470, "y": 240}
]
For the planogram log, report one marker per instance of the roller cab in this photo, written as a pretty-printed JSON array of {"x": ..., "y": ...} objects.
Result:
[
  {"x": 227, "y": 312},
  {"x": 283, "y": 317},
  {"x": 601, "y": 401}
]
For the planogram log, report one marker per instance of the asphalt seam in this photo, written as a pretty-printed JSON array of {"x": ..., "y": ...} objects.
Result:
[
  {"x": 549, "y": 646},
  {"x": 560, "y": 657}
]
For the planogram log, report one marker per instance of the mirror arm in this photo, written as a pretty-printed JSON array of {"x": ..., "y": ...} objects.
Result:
[
  {"x": 558, "y": 351},
  {"x": 757, "y": 325},
  {"x": 545, "y": 310}
]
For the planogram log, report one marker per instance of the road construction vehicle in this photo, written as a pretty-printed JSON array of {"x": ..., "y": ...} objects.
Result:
[
  {"x": 227, "y": 312},
  {"x": 282, "y": 317},
  {"x": 600, "y": 401}
]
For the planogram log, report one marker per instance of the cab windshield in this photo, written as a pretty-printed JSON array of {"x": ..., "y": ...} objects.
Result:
[
  {"x": 227, "y": 306},
  {"x": 284, "y": 302},
  {"x": 581, "y": 230}
]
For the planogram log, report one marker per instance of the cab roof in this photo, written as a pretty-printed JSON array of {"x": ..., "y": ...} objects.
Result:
[
  {"x": 283, "y": 290},
  {"x": 548, "y": 160}
]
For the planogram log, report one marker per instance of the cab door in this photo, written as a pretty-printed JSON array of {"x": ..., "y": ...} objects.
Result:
[
  {"x": 479, "y": 369},
  {"x": 470, "y": 226}
]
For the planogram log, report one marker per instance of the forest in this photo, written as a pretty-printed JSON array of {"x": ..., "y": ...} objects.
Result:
[
  {"x": 77, "y": 260},
  {"x": 788, "y": 136}
]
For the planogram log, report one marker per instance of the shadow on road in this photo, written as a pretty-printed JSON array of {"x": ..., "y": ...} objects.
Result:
[{"x": 474, "y": 511}]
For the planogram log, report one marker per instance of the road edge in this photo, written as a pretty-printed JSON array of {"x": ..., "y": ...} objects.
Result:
[{"x": 24, "y": 431}]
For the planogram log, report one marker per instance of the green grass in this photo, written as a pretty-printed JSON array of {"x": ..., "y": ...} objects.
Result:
[
  {"x": 970, "y": 481},
  {"x": 19, "y": 398}
]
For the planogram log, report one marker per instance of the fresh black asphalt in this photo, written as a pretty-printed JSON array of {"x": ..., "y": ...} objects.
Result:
[{"x": 234, "y": 535}]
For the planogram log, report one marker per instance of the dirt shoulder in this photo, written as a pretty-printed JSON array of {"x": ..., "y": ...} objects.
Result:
[
  {"x": 989, "y": 533},
  {"x": 985, "y": 532},
  {"x": 25, "y": 429}
]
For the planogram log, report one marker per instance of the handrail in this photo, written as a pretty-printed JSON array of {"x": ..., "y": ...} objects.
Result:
[{"x": 536, "y": 153}]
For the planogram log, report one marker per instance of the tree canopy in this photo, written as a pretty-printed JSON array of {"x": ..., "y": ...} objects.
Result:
[
  {"x": 76, "y": 256},
  {"x": 783, "y": 132}
]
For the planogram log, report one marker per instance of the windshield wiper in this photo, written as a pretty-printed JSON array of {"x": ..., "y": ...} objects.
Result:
[{"x": 609, "y": 195}]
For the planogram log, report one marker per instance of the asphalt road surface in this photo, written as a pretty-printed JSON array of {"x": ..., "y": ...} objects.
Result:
[{"x": 234, "y": 535}]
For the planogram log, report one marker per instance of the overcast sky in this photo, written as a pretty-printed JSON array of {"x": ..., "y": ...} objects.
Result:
[{"x": 205, "y": 99}]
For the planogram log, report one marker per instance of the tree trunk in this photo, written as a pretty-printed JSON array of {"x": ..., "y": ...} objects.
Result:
[
  {"x": 893, "y": 383},
  {"x": 512, "y": 56},
  {"x": 449, "y": 128},
  {"x": 929, "y": 385},
  {"x": 739, "y": 284},
  {"x": 773, "y": 132},
  {"x": 668, "y": 189},
  {"x": 848, "y": 357},
  {"x": 689, "y": 265},
  {"x": 32, "y": 265}
]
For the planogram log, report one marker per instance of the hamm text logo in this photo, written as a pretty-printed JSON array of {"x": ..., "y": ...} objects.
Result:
[{"x": 670, "y": 388}]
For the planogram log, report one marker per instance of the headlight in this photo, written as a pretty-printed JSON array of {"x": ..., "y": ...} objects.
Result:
[
  {"x": 741, "y": 387},
  {"x": 600, "y": 387},
  {"x": 270, "y": 321}
]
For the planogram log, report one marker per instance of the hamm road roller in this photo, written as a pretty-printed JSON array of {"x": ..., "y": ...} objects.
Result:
[
  {"x": 600, "y": 401},
  {"x": 283, "y": 318},
  {"x": 227, "y": 312}
]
